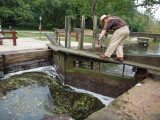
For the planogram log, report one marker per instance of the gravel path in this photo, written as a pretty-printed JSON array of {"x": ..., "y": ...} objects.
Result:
[
  {"x": 30, "y": 43},
  {"x": 23, "y": 44}
]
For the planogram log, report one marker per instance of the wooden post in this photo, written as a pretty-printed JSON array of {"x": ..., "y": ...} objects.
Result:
[
  {"x": 65, "y": 59},
  {"x": 56, "y": 36},
  {"x": 59, "y": 41},
  {"x": 14, "y": 37},
  {"x": 99, "y": 67},
  {"x": 91, "y": 65},
  {"x": 4, "y": 64},
  {"x": 80, "y": 42},
  {"x": 94, "y": 32},
  {"x": 80, "y": 64},
  {"x": 1, "y": 41},
  {"x": 123, "y": 70},
  {"x": 66, "y": 30},
  {"x": 74, "y": 63},
  {"x": 69, "y": 32}
]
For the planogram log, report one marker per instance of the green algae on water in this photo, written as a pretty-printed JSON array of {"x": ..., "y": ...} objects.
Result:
[{"x": 65, "y": 100}]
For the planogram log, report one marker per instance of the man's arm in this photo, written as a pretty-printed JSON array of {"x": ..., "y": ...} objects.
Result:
[{"x": 101, "y": 36}]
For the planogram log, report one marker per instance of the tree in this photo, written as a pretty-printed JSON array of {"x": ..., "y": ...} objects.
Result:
[
  {"x": 93, "y": 7},
  {"x": 15, "y": 12}
]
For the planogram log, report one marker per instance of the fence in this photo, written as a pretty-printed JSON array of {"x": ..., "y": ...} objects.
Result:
[
  {"x": 13, "y": 36},
  {"x": 60, "y": 35}
]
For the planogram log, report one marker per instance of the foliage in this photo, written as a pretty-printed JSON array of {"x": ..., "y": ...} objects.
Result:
[
  {"x": 53, "y": 12},
  {"x": 153, "y": 26}
]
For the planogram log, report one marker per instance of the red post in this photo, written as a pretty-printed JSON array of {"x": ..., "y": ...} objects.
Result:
[
  {"x": 56, "y": 35},
  {"x": 14, "y": 37},
  {"x": 77, "y": 34}
]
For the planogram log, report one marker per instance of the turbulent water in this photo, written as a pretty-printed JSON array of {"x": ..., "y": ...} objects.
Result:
[{"x": 34, "y": 102}]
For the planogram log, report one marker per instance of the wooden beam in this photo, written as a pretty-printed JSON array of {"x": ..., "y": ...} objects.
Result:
[
  {"x": 27, "y": 56},
  {"x": 53, "y": 40},
  {"x": 69, "y": 32},
  {"x": 89, "y": 55},
  {"x": 135, "y": 34},
  {"x": 94, "y": 33},
  {"x": 80, "y": 42},
  {"x": 66, "y": 31}
]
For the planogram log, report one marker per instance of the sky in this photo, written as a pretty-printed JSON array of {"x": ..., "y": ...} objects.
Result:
[{"x": 156, "y": 14}]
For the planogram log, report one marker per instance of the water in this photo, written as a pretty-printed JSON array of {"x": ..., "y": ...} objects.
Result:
[
  {"x": 152, "y": 49},
  {"x": 118, "y": 69},
  {"x": 34, "y": 102},
  {"x": 27, "y": 103}
]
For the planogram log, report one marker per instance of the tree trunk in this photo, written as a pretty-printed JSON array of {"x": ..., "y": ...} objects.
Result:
[{"x": 93, "y": 8}]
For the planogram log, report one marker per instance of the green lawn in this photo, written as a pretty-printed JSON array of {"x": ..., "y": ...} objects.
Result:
[
  {"x": 36, "y": 35},
  {"x": 88, "y": 39},
  {"x": 28, "y": 34}
]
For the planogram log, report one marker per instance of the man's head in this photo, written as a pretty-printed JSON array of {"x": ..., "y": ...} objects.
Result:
[{"x": 102, "y": 18}]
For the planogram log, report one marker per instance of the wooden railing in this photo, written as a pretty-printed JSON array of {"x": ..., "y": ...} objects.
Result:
[
  {"x": 58, "y": 35},
  {"x": 135, "y": 34},
  {"x": 13, "y": 36}
]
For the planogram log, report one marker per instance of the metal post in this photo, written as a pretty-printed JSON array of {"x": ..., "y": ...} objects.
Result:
[{"x": 40, "y": 27}]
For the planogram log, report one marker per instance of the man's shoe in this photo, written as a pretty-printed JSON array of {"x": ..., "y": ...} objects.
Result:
[
  {"x": 103, "y": 56},
  {"x": 120, "y": 59}
]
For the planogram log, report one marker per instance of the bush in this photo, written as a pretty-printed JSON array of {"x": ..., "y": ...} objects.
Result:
[{"x": 54, "y": 29}]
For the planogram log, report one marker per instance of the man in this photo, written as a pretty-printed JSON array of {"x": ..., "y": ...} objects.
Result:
[
  {"x": 10, "y": 28},
  {"x": 121, "y": 32}
]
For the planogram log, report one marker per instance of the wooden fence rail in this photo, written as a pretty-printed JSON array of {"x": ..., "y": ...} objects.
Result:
[
  {"x": 135, "y": 34},
  {"x": 13, "y": 36},
  {"x": 58, "y": 35}
]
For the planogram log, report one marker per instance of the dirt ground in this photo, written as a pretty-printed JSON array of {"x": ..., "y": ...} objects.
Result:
[
  {"x": 23, "y": 44},
  {"x": 29, "y": 43}
]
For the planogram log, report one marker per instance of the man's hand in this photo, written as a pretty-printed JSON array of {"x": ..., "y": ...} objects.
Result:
[{"x": 98, "y": 41}]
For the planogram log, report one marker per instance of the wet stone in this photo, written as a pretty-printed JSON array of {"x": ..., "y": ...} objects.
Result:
[{"x": 36, "y": 95}]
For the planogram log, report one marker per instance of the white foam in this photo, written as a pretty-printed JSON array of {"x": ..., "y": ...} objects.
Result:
[
  {"x": 104, "y": 99},
  {"x": 47, "y": 69}
]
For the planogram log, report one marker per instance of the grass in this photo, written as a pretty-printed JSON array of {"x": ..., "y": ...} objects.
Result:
[
  {"x": 29, "y": 34},
  {"x": 36, "y": 35}
]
